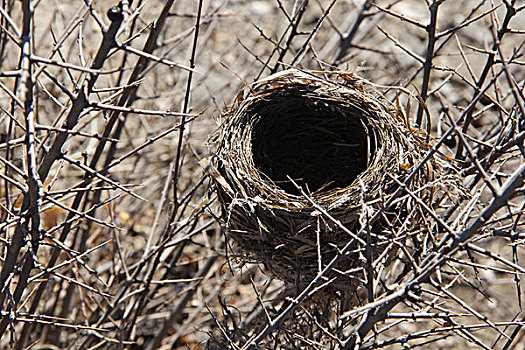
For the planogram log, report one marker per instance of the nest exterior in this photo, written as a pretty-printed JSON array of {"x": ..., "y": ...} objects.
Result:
[{"x": 340, "y": 144}]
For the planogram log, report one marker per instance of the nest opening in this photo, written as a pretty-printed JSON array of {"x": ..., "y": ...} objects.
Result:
[{"x": 318, "y": 144}]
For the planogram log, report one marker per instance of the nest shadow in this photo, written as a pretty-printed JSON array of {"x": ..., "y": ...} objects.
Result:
[{"x": 318, "y": 144}]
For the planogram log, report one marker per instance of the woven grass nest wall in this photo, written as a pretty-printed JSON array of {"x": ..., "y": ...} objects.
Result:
[{"x": 339, "y": 144}]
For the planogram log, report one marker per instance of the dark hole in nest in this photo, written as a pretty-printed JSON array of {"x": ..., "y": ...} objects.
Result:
[{"x": 317, "y": 143}]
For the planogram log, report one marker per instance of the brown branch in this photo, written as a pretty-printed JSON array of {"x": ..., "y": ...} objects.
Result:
[{"x": 427, "y": 66}]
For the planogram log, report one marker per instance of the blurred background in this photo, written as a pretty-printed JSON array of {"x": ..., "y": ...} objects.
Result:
[{"x": 110, "y": 230}]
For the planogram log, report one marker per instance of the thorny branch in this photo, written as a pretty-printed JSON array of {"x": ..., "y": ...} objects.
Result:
[{"x": 110, "y": 237}]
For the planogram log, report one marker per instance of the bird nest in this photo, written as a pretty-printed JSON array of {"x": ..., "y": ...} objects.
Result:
[{"x": 299, "y": 147}]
